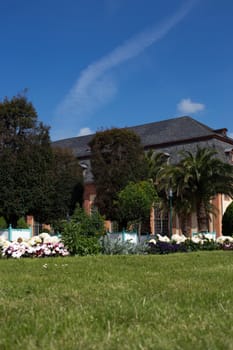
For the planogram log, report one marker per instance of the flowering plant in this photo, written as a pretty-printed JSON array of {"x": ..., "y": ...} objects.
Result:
[
  {"x": 180, "y": 243},
  {"x": 42, "y": 245}
]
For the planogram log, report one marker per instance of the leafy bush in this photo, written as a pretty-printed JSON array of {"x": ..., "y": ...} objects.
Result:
[
  {"x": 70, "y": 233},
  {"x": 21, "y": 223},
  {"x": 3, "y": 223},
  {"x": 90, "y": 225},
  {"x": 87, "y": 245},
  {"x": 77, "y": 242},
  {"x": 80, "y": 234},
  {"x": 227, "y": 220}
]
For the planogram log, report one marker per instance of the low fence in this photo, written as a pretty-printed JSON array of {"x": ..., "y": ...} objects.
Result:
[
  {"x": 12, "y": 234},
  {"x": 211, "y": 235},
  {"x": 132, "y": 237}
]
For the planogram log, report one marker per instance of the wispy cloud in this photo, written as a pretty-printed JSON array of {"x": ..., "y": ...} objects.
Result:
[
  {"x": 96, "y": 86},
  {"x": 186, "y": 105},
  {"x": 85, "y": 131},
  {"x": 230, "y": 134}
]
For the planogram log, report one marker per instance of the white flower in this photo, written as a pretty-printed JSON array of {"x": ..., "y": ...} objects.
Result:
[
  {"x": 44, "y": 235},
  {"x": 17, "y": 254},
  {"x": 153, "y": 241},
  {"x": 178, "y": 238},
  {"x": 223, "y": 239},
  {"x": 209, "y": 236},
  {"x": 163, "y": 238},
  {"x": 196, "y": 239}
]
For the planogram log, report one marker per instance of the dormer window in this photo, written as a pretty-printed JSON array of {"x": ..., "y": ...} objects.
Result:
[
  {"x": 229, "y": 154},
  {"x": 222, "y": 131}
]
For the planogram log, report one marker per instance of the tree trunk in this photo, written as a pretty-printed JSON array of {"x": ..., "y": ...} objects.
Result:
[
  {"x": 202, "y": 218},
  {"x": 185, "y": 229}
]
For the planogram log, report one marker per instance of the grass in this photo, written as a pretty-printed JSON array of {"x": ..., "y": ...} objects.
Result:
[{"x": 179, "y": 301}]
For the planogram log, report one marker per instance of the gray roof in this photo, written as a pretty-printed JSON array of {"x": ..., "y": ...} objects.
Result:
[{"x": 157, "y": 134}]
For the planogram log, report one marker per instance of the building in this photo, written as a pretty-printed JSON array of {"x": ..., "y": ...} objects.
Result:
[{"x": 169, "y": 136}]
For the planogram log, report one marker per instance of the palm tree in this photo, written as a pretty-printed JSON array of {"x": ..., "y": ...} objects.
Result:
[{"x": 197, "y": 179}]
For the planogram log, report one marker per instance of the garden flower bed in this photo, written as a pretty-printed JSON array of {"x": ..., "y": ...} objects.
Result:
[
  {"x": 180, "y": 243},
  {"x": 45, "y": 245},
  {"x": 39, "y": 246}
]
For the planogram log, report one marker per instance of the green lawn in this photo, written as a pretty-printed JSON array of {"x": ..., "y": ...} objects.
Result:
[{"x": 179, "y": 301}]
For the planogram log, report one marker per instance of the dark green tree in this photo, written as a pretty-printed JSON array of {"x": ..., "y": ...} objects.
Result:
[
  {"x": 67, "y": 182},
  {"x": 34, "y": 178},
  {"x": 25, "y": 155},
  {"x": 117, "y": 159},
  {"x": 227, "y": 221}
]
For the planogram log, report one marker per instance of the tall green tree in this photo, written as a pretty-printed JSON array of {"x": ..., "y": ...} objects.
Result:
[
  {"x": 67, "y": 182},
  {"x": 196, "y": 180},
  {"x": 25, "y": 155},
  {"x": 34, "y": 178},
  {"x": 117, "y": 159}
]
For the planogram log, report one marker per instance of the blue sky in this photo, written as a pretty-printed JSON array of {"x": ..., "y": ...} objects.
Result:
[{"x": 95, "y": 64}]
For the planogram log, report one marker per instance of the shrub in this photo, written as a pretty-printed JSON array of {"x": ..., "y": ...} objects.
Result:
[
  {"x": 90, "y": 225},
  {"x": 70, "y": 233},
  {"x": 227, "y": 220},
  {"x": 87, "y": 245},
  {"x": 77, "y": 242},
  {"x": 21, "y": 223},
  {"x": 3, "y": 223}
]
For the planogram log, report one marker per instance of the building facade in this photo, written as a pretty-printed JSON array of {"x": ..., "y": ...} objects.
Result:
[{"x": 169, "y": 136}]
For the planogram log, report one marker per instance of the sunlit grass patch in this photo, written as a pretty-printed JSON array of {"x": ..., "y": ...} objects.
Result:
[{"x": 180, "y": 301}]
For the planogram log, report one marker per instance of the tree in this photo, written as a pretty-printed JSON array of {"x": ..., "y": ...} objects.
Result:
[
  {"x": 25, "y": 155},
  {"x": 34, "y": 178},
  {"x": 227, "y": 220},
  {"x": 135, "y": 202},
  {"x": 67, "y": 182},
  {"x": 117, "y": 158},
  {"x": 197, "y": 179}
]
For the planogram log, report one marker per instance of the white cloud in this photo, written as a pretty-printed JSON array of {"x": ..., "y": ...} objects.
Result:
[
  {"x": 230, "y": 134},
  {"x": 96, "y": 86},
  {"x": 186, "y": 105},
  {"x": 85, "y": 131}
]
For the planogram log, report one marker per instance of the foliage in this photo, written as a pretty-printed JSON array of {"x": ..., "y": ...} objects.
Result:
[
  {"x": 117, "y": 158},
  {"x": 21, "y": 223},
  {"x": 195, "y": 180},
  {"x": 34, "y": 178},
  {"x": 77, "y": 242},
  {"x": 25, "y": 156},
  {"x": 135, "y": 201},
  {"x": 87, "y": 245},
  {"x": 111, "y": 246},
  {"x": 3, "y": 223},
  {"x": 227, "y": 220},
  {"x": 80, "y": 235},
  {"x": 67, "y": 182},
  {"x": 164, "y": 245},
  {"x": 70, "y": 235},
  {"x": 90, "y": 225},
  {"x": 204, "y": 244}
]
